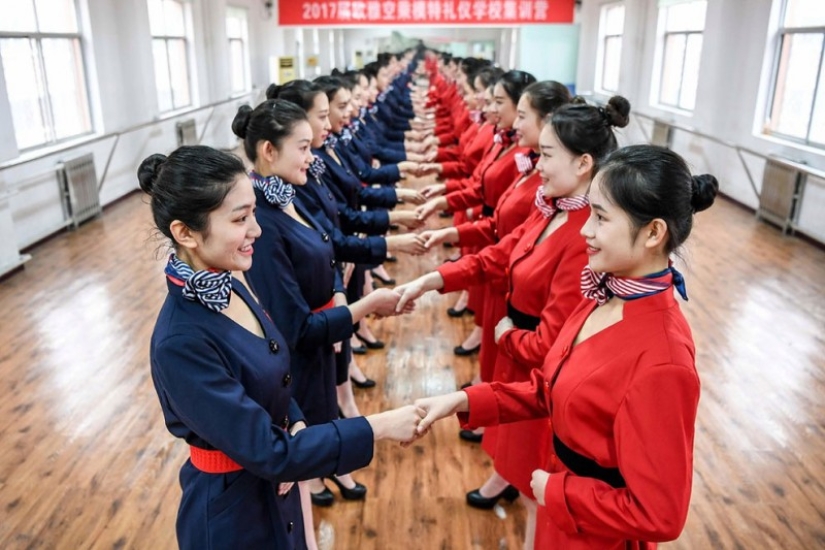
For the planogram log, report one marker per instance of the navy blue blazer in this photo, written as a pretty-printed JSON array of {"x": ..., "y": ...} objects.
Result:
[
  {"x": 294, "y": 272},
  {"x": 349, "y": 155},
  {"x": 390, "y": 152},
  {"x": 321, "y": 205},
  {"x": 354, "y": 192},
  {"x": 223, "y": 387}
]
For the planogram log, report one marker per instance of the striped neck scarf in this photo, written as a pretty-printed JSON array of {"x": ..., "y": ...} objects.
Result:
[
  {"x": 373, "y": 109},
  {"x": 276, "y": 191},
  {"x": 383, "y": 96},
  {"x": 211, "y": 288},
  {"x": 363, "y": 112},
  {"x": 356, "y": 125},
  {"x": 331, "y": 141},
  {"x": 549, "y": 207},
  {"x": 317, "y": 168},
  {"x": 476, "y": 116},
  {"x": 526, "y": 163},
  {"x": 603, "y": 286},
  {"x": 504, "y": 137},
  {"x": 346, "y": 136}
]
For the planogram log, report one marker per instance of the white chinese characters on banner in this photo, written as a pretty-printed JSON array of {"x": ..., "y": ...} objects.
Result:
[{"x": 426, "y": 11}]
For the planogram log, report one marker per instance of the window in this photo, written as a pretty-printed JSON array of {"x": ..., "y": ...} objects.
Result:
[
  {"x": 236, "y": 31},
  {"x": 43, "y": 67},
  {"x": 797, "y": 110},
  {"x": 167, "y": 23},
  {"x": 681, "y": 23},
  {"x": 609, "y": 57}
]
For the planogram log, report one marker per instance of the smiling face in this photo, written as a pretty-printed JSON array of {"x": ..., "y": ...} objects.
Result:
[
  {"x": 528, "y": 123},
  {"x": 226, "y": 244},
  {"x": 490, "y": 113},
  {"x": 613, "y": 244},
  {"x": 503, "y": 107},
  {"x": 563, "y": 173},
  {"x": 339, "y": 110},
  {"x": 291, "y": 160},
  {"x": 318, "y": 116}
]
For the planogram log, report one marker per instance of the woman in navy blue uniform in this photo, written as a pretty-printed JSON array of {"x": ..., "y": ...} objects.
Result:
[
  {"x": 295, "y": 272},
  {"x": 222, "y": 369},
  {"x": 320, "y": 202}
]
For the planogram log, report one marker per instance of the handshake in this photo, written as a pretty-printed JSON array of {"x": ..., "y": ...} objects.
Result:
[
  {"x": 412, "y": 422},
  {"x": 384, "y": 302}
]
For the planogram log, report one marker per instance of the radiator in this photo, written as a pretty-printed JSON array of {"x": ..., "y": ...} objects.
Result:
[
  {"x": 662, "y": 134},
  {"x": 78, "y": 181},
  {"x": 187, "y": 132},
  {"x": 780, "y": 191}
]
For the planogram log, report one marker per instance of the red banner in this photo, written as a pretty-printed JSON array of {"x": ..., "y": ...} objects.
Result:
[{"x": 423, "y": 12}]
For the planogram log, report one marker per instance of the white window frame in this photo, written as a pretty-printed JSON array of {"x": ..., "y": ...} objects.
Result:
[
  {"x": 186, "y": 38},
  {"x": 660, "y": 58},
  {"x": 781, "y": 33},
  {"x": 244, "y": 42},
  {"x": 602, "y": 46},
  {"x": 46, "y": 109}
]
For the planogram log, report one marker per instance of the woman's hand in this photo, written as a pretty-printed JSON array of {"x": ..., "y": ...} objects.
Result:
[
  {"x": 396, "y": 425},
  {"x": 503, "y": 326},
  {"x": 538, "y": 484},
  {"x": 434, "y": 190},
  {"x": 383, "y": 301},
  {"x": 407, "y": 218},
  {"x": 434, "y": 237},
  {"x": 427, "y": 209},
  {"x": 442, "y": 406},
  {"x": 410, "y": 243},
  {"x": 410, "y": 196}
]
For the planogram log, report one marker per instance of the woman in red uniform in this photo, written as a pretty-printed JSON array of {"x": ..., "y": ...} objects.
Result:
[
  {"x": 538, "y": 101},
  {"x": 540, "y": 265},
  {"x": 495, "y": 173},
  {"x": 620, "y": 382}
]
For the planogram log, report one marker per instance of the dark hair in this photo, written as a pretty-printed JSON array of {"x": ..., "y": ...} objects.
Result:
[
  {"x": 488, "y": 76},
  {"x": 514, "y": 83},
  {"x": 348, "y": 79},
  {"x": 329, "y": 85},
  {"x": 547, "y": 96},
  {"x": 300, "y": 92},
  {"x": 272, "y": 121},
  {"x": 470, "y": 66},
  {"x": 187, "y": 185},
  {"x": 650, "y": 182},
  {"x": 586, "y": 129},
  {"x": 370, "y": 70}
]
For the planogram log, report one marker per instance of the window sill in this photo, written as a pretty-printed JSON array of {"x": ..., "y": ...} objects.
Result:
[
  {"x": 673, "y": 110},
  {"x": 166, "y": 115},
  {"x": 51, "y": 149},
  {"x": 791, "y": 144}
]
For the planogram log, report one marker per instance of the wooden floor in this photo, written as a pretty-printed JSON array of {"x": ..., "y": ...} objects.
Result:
[{"x": 85, "y": 461}]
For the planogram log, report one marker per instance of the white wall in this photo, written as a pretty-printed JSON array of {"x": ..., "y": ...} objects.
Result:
[
  {"x": 731, "y": 97},
  {"x": 120, "y": 73}
]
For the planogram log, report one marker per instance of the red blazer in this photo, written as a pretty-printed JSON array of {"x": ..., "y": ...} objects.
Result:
[
  {"x": 494, "y": 179},
  {"x": 626, "y": 397},
  {"x": 545, "y": 282},
  {"x": 479, "y": 148},
  {"x": 513, "y": 208}
]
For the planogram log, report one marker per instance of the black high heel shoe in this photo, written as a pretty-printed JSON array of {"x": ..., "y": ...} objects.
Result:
[
  {"x": 359, "y": 492},
  {"x": 325, "y": 498},
  {"x": 461, "y": 351},
  {"x": 366, "y": 384},
  {"x": 384, "y": 280},
  {"x": 378, "y": 344},
  {"x": 471, "y": 436},
  {"x": 475, "y": 499},
  {"x": 453, "y": 312}
]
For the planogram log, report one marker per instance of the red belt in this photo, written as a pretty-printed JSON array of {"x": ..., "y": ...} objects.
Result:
[
  {"x": 212, "y": 462},
  {"x": 328, "y": 305}
]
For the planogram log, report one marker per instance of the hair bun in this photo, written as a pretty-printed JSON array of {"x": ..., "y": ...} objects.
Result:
[
  {"x": 578, "y": 100},
  {"x": 148, "y": 172},
  {"x": 617, "y": 111},
  {"x": 704, "y": 190},
  {"x": 273, "y": 90},
  {"x": 241, "y": 121}
]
